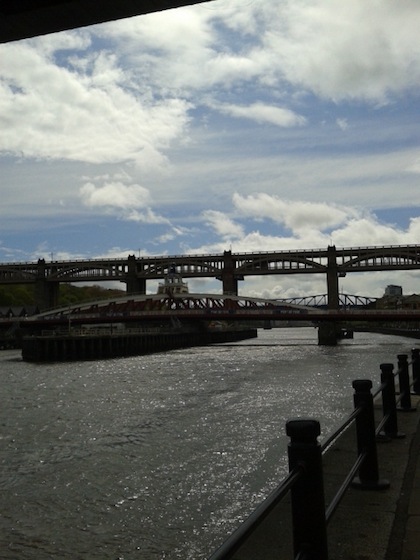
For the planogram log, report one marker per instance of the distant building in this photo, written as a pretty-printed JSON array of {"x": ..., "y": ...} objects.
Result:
[
  {"x": 392, "y": 290},
  {"x": 398, "y": 302}
]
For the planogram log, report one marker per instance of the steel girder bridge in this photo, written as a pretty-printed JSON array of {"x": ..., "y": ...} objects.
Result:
[
  {"x": 321, "y": 300},
  {"x": 150, "y": 313},
  {"x": 204, "y": 307},
  {"x": 228, "y": 267}
]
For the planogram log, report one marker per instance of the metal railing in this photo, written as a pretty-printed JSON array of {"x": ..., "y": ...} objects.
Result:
[{"x": 305, "y": 481}]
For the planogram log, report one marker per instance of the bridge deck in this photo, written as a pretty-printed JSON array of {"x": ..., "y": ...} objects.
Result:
[{"x": 305, "y": 261}]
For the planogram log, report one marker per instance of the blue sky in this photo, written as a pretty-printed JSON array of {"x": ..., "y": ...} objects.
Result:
[{"x": 229, "y": 125}]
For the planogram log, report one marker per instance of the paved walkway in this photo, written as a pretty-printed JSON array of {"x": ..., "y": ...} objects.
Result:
[
  {"x": 404, "y": 542},
  {"x": 368, "y": 525}
]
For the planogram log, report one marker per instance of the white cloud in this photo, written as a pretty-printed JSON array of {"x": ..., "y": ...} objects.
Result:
[
  {"x": 336, "y": 50},
  {"x": 414, "y": 167},
  {"x": 115, "y": 194},
  {"x": 368, "y": 232},
  {"x": 342, "y": 124},
  {"x": 223, "y": 225},
  {"x": 88, "y": 114},
  {"x": 361, "y": 49},
  {"x": 169, "y": 51},
  {"x": 129, "y": 100},
  {"x": 263, "y": 113},
  {"x": 133, "y": 200},
  {"x": 309, "y": 225},
  {"x": 147, "y": 216},
  {"x": 172, "y": 234},
  {"x": 298, "y": 216},
  {"x": 49, "y": 45}
]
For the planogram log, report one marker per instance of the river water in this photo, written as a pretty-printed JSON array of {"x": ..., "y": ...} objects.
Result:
[{"x": 160, "y": 456}]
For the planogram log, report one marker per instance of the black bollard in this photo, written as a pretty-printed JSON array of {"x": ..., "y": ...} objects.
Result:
[
  {"x": 368, "y": 478},
  {"x": 415, "y": 356},
  {"x": 307, "y": 494},
  {"x": 404, "y": 382},
  {"x": 389, "y": 404}
]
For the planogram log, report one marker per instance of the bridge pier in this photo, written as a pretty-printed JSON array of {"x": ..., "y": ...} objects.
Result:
[
  {"x": 230, "y": 285},
  {"x": 328, "y": 333},
  {"x": 228, "y": 277},
  {"x": 134, "y": 284},
  {"x": 332, "y": 279},
  {"x": 46, "y": 293}
]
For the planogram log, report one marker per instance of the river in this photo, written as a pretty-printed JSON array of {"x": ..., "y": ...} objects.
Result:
[{"x": 160, "y": 456}]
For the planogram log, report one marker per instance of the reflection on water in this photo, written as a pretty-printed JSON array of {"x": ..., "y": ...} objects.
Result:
[{"x": 160, "y": 456}]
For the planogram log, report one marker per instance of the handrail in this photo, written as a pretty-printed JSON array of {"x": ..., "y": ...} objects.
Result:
[
  {"x": 340, "y": 430},
  {"x": 335, "y": 502},
  {"x": 310, "y": 517},
  {"x": 381, "y": 425},
  {"x": 238, "y": 538}
]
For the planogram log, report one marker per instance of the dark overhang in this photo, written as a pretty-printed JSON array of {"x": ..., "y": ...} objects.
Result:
[{"x": 20, "y": 19}]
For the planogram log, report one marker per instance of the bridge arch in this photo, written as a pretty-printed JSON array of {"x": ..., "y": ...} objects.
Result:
[{"x": 228, "y": 267}]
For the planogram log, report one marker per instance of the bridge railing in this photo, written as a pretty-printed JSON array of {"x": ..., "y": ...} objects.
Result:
[
  {"x": 305, "y": 481},
  {"x": 166, "y": 258}
]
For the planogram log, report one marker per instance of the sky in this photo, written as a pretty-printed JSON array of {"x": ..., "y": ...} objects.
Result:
[{"x": 243, "y": 125}]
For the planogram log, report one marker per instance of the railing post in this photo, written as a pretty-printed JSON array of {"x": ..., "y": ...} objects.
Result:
[
  {"x": 307, "y": 495},
  {"x": 389, "y": 405},
  {"x": 415, "y": 356},
  {"x": 404, "y": 383},
  {"x": 368, "y": 478}
]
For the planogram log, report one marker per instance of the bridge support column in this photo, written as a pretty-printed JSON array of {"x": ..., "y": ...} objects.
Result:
[
  {"x": 229, "y": 279},
  {"x": 46, "y": 293},
  {"x": 332, "y": 279},
  {"x": 230, "y": 285},
  {"x": 330, "y": 332},
  {"x": 134, "y": 284}
]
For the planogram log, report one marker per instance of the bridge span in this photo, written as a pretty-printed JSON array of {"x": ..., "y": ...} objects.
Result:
[
  {"x": 199, "y": 313},
  {"x": 209, "y": 307},
  {"x": 230, "y": 268}
]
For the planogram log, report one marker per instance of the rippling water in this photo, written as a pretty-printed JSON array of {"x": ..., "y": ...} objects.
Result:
[{"x": 160, "y": 456}]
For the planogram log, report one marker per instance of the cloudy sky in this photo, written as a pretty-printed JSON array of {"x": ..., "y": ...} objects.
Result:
[{"x": 237, "y": 124}]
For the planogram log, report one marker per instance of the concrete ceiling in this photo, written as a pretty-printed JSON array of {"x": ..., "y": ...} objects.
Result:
[{"x": 20, "y": 19}]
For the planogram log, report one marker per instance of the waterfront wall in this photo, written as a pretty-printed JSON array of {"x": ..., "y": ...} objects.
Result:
[{"x": 62, "y": 348}]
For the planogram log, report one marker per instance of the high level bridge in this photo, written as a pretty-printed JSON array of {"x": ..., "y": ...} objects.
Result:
[{"x": 228, "y": 267}]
